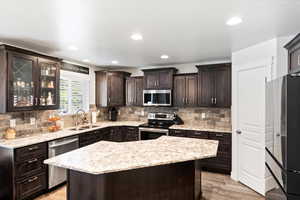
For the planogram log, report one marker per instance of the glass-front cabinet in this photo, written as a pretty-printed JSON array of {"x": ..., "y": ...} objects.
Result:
[
  {"x": 32, "y": 82},
  {"x": 21, "y": 82},
  {"x": 48, "y": 84}
]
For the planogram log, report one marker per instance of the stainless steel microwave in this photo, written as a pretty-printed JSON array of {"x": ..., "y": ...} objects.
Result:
[{"x": 157, "y": 97}]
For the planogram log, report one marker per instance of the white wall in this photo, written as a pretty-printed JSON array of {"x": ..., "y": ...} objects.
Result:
[{"x": 182, "y": 68}]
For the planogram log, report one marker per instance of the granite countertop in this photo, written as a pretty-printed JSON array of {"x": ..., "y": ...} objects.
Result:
[
  {"x": 45, "y": 137},
  {"x": 200, "y": 128},
  {"x": 106, "y": 157}
]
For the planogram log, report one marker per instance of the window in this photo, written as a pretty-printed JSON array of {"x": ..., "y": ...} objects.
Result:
[{"x": 74, "y": 92}]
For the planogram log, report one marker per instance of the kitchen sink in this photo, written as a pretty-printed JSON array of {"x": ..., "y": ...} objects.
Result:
[{"x": 83, "y": 128}]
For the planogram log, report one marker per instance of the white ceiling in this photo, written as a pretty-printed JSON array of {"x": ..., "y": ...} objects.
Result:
[{"x": 187, "y": 31}]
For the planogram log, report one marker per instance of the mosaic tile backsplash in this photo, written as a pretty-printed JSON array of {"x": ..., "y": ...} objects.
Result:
[
  {"x": 204, "y": 117},
  {"x": 200, "y": 116}
]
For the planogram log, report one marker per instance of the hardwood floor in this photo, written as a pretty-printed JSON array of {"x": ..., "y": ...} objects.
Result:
[{"x": 214, "y": 186}]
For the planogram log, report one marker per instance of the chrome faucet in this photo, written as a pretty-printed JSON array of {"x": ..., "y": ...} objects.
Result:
[{"x": 83, "y": 118}]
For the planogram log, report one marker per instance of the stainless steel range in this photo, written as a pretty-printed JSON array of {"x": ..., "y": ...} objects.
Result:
[{"x": 158, "y": 125}]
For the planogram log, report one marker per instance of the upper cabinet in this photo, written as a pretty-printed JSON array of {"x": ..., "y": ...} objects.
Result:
[
  {"x": 159, "y": 79},
  {"x": 134, "y": 91},
  {"x": 110, "y": 88},
  {"x": 185, "y": 90},
  {"x": 293, "y": 48},
  {"x": 214, "y": 85},
  {"x": 28, "y": 81}
]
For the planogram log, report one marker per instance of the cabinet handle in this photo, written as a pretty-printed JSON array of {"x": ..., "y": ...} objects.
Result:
[
  {"x": 212, "y": 100},
  {"x": 32, "y": 179},
  {"x": 215, "y": 100},
  {"x": 219, "y": 135},
  {"x": 298, "y": 59},
  {"x": 32, "y": 161},
  {"x": 36, "y": 101},
  {"x": 33, "y": 148}
]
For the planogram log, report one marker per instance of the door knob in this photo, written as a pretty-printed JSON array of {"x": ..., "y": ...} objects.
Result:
[{"x": 239, "y": 132}]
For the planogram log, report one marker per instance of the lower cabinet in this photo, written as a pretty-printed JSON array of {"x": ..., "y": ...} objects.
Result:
[
  {"x": 31, "y": 186},
  {"x": 221, "y": 163},
  {"x": 114, "y": 134}
]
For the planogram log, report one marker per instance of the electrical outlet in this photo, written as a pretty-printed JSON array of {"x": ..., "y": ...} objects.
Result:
[
  {"x": 32, "y": 121},
  {"x": 12, "y": 123},
  {"x": 203, "y": 115}
]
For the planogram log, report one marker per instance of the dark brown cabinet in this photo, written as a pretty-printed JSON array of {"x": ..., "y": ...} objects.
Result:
[
  {"x": 29, "y": 81},
  {"x": 185, "y": 90},
  {"x": 134, "y": 91},
  {"x": 293, "y": 48},
  {"x": 221, "y": 163},
  {"x": 159, "y": 78},
  {"x": 214, "y": 85},
  {"x": 110, "y": 88},
  {"x": 130, "y": 133}
]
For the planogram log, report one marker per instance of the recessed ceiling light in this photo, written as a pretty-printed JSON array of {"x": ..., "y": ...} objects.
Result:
[
  {"x": 234, "y": 21},
  {"x": 115, "y": 62},
  {"x": 73, "y": 48},
  {"x": 86, "y": 60},
  {"x": 136, "y": 36},
  {"x": 164, "y": 56}
]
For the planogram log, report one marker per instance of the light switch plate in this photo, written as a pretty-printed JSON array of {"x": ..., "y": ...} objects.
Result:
[
  {"x": 32, "y": 121},
  {"x": 12, "y": 123}
]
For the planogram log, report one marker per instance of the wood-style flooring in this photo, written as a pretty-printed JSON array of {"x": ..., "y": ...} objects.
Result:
[{"x": 214, "y": 186}]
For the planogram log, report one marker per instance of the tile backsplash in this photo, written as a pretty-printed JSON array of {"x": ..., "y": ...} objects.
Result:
[
  {"x": 200, "y": 116},
  {"x": 205, "y": 117}
]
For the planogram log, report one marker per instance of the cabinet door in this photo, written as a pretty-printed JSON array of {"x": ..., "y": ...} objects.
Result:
[
  {"x": 165, "y": 79},
  {"x": 115, "y": 89},
  {"x": 130, "y": 91},
  {"x": 179, "y": 91},
  {"x": 223, "y": 87},
  {"x": 48, "y": 89},
  {"x": 206, "y": 87},
  {"x": 21, "y": 82},
  {"x": 191, "y": 92},
  {"x": 151, "y": 80},
  {"x": 139, "y": 91}
]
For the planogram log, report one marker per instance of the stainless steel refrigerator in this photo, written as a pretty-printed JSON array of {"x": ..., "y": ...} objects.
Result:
[{"x": 283, "y": 138}]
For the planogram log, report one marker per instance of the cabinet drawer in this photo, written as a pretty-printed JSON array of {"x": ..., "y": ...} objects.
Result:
[
  {"x": 197, "y": 134},
  {"x": 295, "y": 60},
  {"x": 222, "y": 137},
  {"x": 32, "y": 151},
  {"x": 31, "y": 186},
  {"x": 29, "y": 167},
  {"x": 178, "y": 133}
]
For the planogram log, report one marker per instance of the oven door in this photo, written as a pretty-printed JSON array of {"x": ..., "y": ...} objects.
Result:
[
  {"x": 157, "y": 98},
  {"x": 152, "y": 133}
]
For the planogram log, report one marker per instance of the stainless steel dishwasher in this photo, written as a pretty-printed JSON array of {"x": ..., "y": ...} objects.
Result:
[{"x": 58, "y": 175}]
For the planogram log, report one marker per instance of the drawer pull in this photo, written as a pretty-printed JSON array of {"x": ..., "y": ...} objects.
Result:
[
  {"x": 219, "y": 135},
  {"x": 32, "y": 179},
  {"x": 33, "y": 148},
  {"x": 32, "y": 161}
]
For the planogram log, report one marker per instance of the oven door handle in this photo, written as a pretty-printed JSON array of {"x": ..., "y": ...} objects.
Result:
[{"x": 154, "y": 130}]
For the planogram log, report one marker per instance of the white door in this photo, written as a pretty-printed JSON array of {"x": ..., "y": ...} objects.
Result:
[{"x": 250, "y": 125}]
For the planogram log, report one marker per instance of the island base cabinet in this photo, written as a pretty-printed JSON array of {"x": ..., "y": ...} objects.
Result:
[{"x": 172, "y": 181}]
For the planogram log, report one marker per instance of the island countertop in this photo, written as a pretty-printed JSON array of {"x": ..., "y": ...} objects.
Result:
[{"x": 107, "y": 157}]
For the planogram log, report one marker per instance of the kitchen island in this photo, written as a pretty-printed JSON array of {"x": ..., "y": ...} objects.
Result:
[{"x": 159, "y": 169}]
